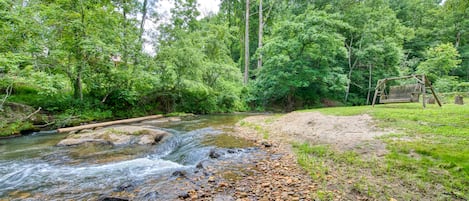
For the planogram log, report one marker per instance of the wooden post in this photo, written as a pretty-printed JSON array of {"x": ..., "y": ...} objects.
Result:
[
  {"x": 424, "y": 91},
  {"x": 376, "y": 92},
  {"x": 433, "y": 92}
]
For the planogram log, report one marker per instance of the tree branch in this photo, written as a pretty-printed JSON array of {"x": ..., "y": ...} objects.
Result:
[
  {"x": 30, "y": 115},
  {"x": 8, "y": 93}
]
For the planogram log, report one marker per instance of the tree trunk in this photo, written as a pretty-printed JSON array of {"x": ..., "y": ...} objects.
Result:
[
  {"x": 350, "y": 67},
  {"x": 290, "y": 100},
  {"x": 369, "y": 85},
  {"x": 81, "y": 58},
  {"x": 349, "y": 80},
  {"x": 261, "y": 30},
  {"x": 124, "y": 33},
  {"x": 142, "y": 30},
  {"x": 142, "y": 22},
  {"x": 246, "y": 46},
  {"x": 78, "y": 85},
  {"x": 458, "y": 39}
]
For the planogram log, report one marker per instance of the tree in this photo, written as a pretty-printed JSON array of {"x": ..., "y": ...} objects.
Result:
[
  {"x": 301, "y": 60},
  {"x": 440, "y": 60},
  {"x": 261, "y": 29},
  {"x": 374, "y": 41},
  {"x": 246, "y": 45}
]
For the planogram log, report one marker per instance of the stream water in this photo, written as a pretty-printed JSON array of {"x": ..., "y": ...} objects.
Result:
[{"x": 32, "y": 167}]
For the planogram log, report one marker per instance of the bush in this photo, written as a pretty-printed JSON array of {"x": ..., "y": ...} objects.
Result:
[{"x": 446, "y": 84}]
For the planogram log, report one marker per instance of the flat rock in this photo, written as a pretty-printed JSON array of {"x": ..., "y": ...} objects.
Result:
[{"x": 117, "y": 136}]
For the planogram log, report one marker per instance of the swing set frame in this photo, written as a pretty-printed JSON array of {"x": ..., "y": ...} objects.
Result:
[{"x": 404, "y": 96}]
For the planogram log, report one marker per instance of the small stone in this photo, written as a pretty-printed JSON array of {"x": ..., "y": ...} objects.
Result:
[
  {"x": 223, "y": 184},
  {"x": 265, "y": 185},
  {"x": 112, "y": 199},
  {"x": 151, "y": 196},
  {"x": 211, "y": 179},
  {"x": 266, "y": 144},
  {"x": 284, "y": 195},
  {"x": 200, "y": 165},
  {"x": 193, "y": 194},
  {"x": 213, "y": 154},
  {"x": 184, "y": 196},
  {"x": 125, "y": 187},
  {"x": 243, "y": 194},
  {"x": 179, "y": 173}
]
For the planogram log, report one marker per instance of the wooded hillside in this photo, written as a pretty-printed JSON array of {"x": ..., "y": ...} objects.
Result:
[{"x": 91, "y": 56}]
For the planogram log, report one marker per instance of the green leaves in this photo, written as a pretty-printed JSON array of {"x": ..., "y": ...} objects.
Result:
[
  {"x": 301, "y": 52},
  {"x": 440, "y": 60}
]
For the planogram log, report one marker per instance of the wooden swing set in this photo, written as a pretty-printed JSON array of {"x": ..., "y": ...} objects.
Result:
[{"x": 405, "y": 93}]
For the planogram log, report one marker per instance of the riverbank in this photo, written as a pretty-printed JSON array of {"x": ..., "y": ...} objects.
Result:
[{"x": 390, "y": 152}]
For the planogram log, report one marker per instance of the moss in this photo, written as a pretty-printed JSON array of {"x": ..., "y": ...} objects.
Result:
[
  {"x": 14, "y": 128},
  {"x": 142, "y": 132},
  {"x": 227, "y": 141}
]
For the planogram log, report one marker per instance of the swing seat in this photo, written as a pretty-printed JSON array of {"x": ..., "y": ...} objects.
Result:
[{"x": 402, "y": 94}]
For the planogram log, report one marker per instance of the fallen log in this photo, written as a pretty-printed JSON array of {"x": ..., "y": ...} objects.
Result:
[{"x": 109, "y": 123}]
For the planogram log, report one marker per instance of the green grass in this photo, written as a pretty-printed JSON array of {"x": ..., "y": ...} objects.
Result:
[
  {"x": 256, "y": 127},
  {"x": 430, "y": 153}
]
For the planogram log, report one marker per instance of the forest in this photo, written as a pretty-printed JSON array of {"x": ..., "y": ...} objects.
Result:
[{"x": 93, "y": 60}]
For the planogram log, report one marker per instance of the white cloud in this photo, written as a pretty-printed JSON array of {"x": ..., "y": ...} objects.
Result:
[
  {"x": 205, "y": 8},
  {"x": 208, "y": 6}
]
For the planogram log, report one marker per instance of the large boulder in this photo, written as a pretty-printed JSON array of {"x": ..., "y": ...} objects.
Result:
[{"x": 117, "y": 136}]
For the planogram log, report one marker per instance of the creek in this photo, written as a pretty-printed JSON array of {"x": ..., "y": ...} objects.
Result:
[{"x": 32, "y": 167}]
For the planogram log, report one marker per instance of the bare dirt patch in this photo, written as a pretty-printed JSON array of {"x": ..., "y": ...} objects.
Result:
[{"x": 341, "y": 132}]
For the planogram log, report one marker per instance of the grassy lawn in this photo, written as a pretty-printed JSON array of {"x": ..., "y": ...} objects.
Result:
[{"x": 428, "y": 156}]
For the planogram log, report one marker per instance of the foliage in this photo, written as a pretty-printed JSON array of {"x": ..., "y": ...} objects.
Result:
[
  {"x": 301, "y": 60},
  {"x": 440, "y": 60},
  {"x": 126, "y": 58},
  {"x": 447, "y": 84}
]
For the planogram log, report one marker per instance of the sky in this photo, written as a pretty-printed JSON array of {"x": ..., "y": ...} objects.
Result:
[{"x": 205, "y": 7}]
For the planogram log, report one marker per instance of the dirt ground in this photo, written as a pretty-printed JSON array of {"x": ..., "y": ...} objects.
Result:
[
  {"x": 278, "y": 176},
  {"x": 341, "y": 132},
  {"x": 283, "y": 178}
]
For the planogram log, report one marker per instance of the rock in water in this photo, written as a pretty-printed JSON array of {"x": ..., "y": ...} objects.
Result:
[
  {"x": 151, "y": 196},
  {"x": 125, "y": 187},
  {"x": 179, "y": 173},
  {"x": 117, "y": 136},
  {"x": 112, "y": 199},
  {"x": 214, "y": 154},
  {"x": 200, "y": 165}
]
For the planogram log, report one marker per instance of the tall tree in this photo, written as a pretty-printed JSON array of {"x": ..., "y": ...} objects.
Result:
[
  {"x": 246, "y": 45},
  {"x": 374, "y": 41},
  {"x": 301, "y": 60},
  {"x": 261, "y": 33}
]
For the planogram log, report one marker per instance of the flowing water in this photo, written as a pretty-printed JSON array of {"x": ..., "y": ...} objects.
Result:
[{"x": 32, "y": 167}]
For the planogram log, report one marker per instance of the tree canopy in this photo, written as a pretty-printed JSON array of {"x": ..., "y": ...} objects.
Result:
[{"x": 71, "y": 56}]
